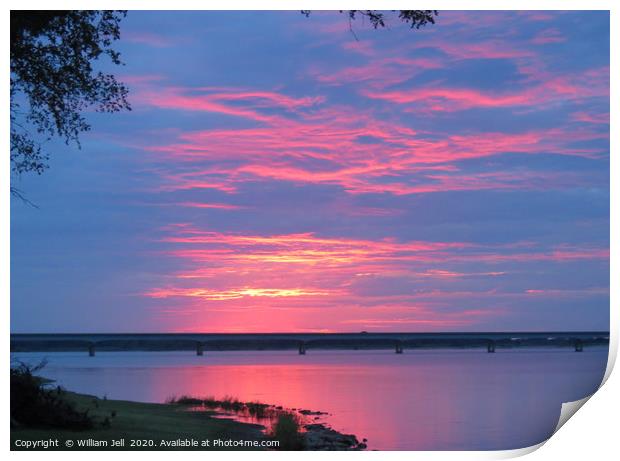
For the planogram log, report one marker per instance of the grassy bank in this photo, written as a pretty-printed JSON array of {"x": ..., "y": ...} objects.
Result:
[
  {"x": 121, "y": 420},
  {"x": 44, "y": 416}
]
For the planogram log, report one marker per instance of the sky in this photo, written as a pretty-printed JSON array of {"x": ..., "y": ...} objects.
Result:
[{"x": 283, "y": 173}]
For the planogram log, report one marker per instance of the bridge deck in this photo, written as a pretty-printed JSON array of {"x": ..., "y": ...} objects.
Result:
[{"x": 302, "y": 341}]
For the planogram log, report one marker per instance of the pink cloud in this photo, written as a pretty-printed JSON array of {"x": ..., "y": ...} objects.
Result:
[
  {"x": 148, "y": 38},
  {"x": 540, "y": 15},
  {"x": 381, "y": 72},
  {"x": 143, "y": 79},
  {"x": 215, "y": 206},
  {"x": 551, "y": 90},
  {"x": 551, "y": 35},
  {"x": 305, "y": 139},
  {"x": 251, "y": 274},
  {"x": 490, "y": 49},
  {"x": 567, "y": 293},
  {"x": 591, "y": 117},
  {"x": 363, "y": 47},
  {"x": 248, "y": 103},
  {"x": 409, "y": 162}
]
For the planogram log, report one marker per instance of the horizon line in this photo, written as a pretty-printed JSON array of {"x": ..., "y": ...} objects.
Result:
[{"x": 312, "y": 332}]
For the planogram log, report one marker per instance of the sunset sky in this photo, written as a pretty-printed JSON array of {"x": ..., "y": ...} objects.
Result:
[{"x": 281, "y": 173}]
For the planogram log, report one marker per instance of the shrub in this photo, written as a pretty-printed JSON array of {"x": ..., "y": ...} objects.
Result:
[
  {"x": 184, "y": 400},
  {"x": 287, "y": 431},
  {"x": 257, "y": 409},
  {"x": 34, "y": 405}
]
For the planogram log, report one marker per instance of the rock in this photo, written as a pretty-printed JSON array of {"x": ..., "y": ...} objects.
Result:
[
  {"x": 310, "y": 412},
  {"x": 320, "y": 437}
]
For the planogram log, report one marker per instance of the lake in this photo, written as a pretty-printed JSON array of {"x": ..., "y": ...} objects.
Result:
[{"x": 434, "y": 399}]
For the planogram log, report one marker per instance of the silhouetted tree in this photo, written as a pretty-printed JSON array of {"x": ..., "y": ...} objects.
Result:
[
  {"x": 415, "y": 18},
  {"x": 53, "y": 79}
]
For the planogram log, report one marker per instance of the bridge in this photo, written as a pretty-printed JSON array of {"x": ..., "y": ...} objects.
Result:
[{"x": 302, "y": 342}]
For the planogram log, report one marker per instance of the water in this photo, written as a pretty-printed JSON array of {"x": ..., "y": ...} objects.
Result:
[{"x": 420, "y": 400}]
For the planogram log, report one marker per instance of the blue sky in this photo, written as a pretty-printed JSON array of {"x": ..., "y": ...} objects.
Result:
[{"x": 280, "y": 173}]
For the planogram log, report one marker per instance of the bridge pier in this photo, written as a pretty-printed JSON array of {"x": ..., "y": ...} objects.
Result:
[
  {"x": 578, "y": 346},
  {"x": 91, "y": 350},
  {"x": 491, "y": 347},
  {"x": 399, "y": 348},
  {"x": 200, "y": 348},
  {"x": 302, "y": 348}
]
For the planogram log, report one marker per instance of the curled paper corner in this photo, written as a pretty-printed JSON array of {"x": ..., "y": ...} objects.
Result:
[
  {"x": 568, "y": 410},
  {"x": 518, "y": 452},
  {"x": 611, "y": 358}
]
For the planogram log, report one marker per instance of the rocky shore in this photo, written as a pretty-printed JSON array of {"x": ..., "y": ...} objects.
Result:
[{"x": 318, "y": 436}]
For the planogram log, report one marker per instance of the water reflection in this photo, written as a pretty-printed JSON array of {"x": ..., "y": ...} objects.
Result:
[{"x": 422, "y": 400}]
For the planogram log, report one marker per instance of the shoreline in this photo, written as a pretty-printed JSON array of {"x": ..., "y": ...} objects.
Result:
[{"x": 129, "y": 425}]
